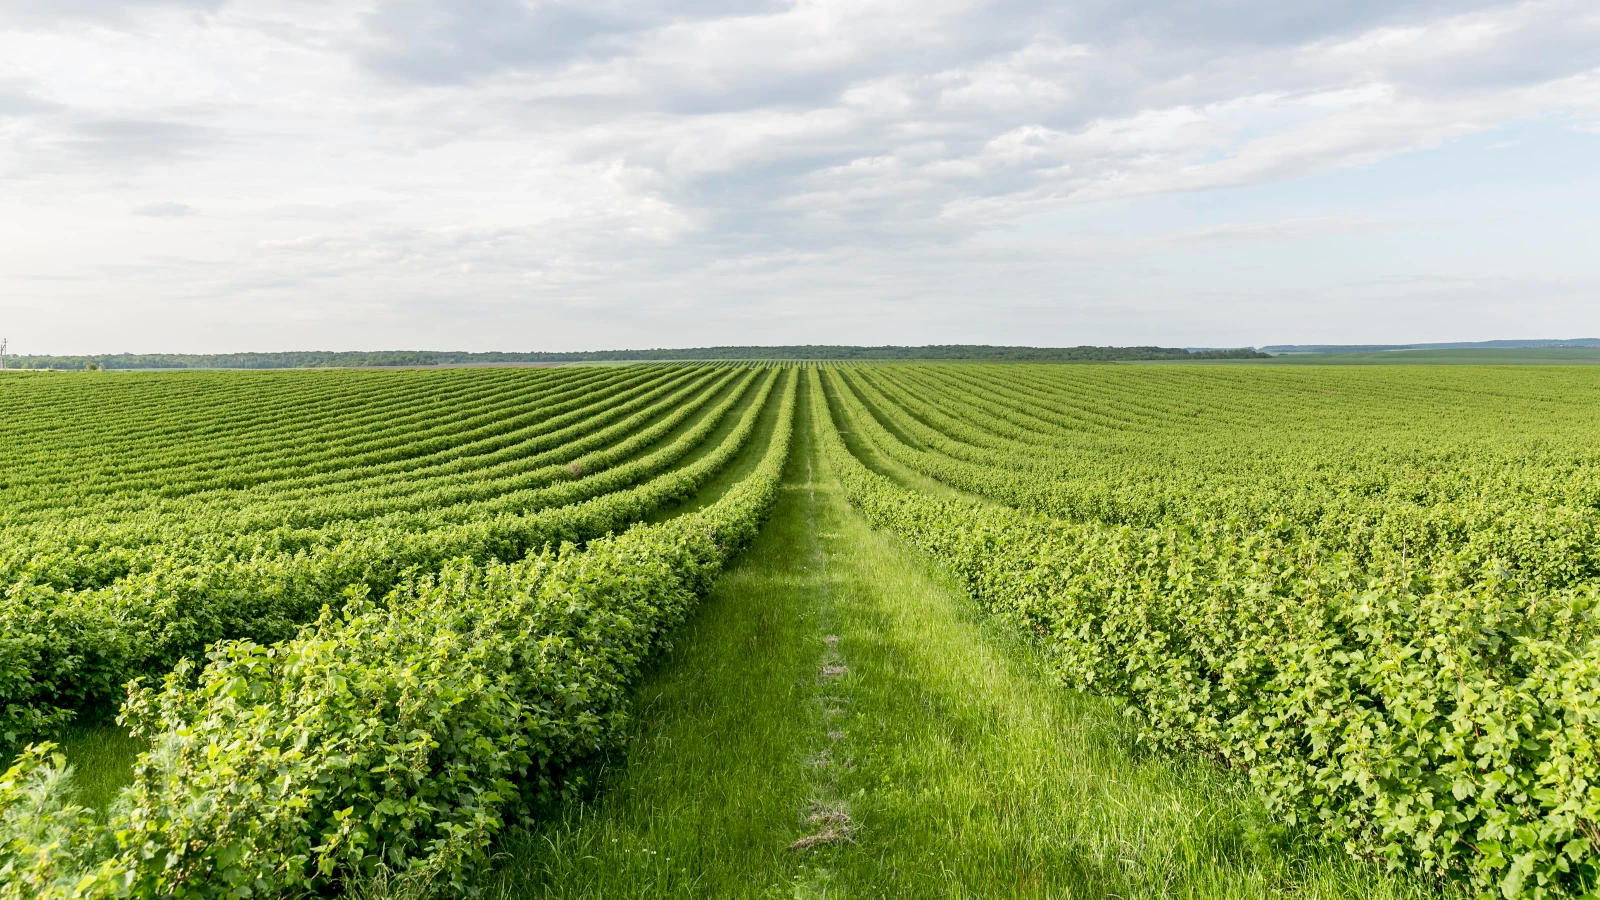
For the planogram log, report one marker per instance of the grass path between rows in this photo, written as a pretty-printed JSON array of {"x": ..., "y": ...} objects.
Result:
[{"x": 838, "y": 722}]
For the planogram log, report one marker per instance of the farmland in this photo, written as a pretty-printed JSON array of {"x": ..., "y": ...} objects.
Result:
[{"x": 877, "y": 629}]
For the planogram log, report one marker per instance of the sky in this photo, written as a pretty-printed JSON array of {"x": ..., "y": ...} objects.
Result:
[{"x": 254, "y": 175}]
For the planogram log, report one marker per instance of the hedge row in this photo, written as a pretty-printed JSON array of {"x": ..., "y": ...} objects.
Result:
[
  {"x": 63, "y": 653},
  {"x": 1543, "y": 544},
  {"x": 172, "y": 438},
  {"x": 1447, "y": 724},
  {"x": 82, "y": 553},
  {"x": 403, "y": 732}
]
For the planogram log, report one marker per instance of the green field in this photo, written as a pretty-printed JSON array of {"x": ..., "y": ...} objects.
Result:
[{"x": 841, "y": 630}]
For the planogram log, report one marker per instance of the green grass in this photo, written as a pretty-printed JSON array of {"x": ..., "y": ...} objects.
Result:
[
  {"x": 102, "y": 758},
  {"x": 834, "y": 686},
  {"x": 710, "y": 793}
]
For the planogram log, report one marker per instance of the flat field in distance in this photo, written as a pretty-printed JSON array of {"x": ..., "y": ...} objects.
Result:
[{"x": 760, "y": 630}]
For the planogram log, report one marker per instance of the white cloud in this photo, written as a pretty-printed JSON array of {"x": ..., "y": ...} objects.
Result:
[{"x": 496, "y": 167}]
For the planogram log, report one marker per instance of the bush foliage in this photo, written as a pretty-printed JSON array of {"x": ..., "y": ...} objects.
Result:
[
  {"x": 1439, "y": 716},
  {"x": 392, "y": 735}
]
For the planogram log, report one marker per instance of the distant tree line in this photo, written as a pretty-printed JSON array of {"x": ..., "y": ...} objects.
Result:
[
  {"x": 1562, "y": 344},
  {"x": 844, "y": 352},
  {"x": 348, "y": 359},
  {"x": 290, "y": 360}
]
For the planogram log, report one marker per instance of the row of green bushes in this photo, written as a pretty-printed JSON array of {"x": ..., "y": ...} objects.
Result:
[
  {"x": 1545, "y": 544},
  {"x": 167, "y": 501},
  {"x": 63, "y": 653},
  {"x": 403, "y": 733},
  {"x": 1450, "y": 729},
  {"x": 1039, "y": 464},
  {"x": 171, "y": 436}
]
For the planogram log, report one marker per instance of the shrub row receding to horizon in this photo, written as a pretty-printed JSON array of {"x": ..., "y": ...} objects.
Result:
[
  {"x": 366, "y": 620},
  {"x": 405, "y": 731},
  {"x": 1374, "y": 593}
]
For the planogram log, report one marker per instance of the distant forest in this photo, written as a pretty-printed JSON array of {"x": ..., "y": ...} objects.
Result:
[
  {"x": 350, "y": 359},
  {"x": 1545, "y": 344}
]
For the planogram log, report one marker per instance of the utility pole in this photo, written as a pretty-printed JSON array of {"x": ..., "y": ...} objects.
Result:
[{"x": 2, "y": 354}]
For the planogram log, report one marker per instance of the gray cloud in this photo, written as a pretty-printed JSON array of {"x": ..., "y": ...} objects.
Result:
[
  {"x": 122, "y": 143},
  {"x": 46, "y": 12},
  {"x": 165, "y": 210},
  {"x": 930, "y": 127},
  {"x": 18, "y": 99},
  {"x": 1241, "y": 23},
  {"x": 431, "y": 41}
]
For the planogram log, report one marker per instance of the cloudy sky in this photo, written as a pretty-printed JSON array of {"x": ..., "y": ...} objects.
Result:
[{"x": 219, "y": 175}]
